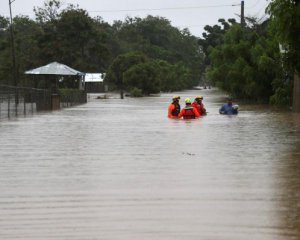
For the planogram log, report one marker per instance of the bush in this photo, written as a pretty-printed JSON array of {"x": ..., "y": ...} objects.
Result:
[
  {"x": 67, "y": 92},
  {"x": 136, "y": 92}
]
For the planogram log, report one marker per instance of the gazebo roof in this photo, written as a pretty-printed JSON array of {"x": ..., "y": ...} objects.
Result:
[{"x": 55, "y": 68}]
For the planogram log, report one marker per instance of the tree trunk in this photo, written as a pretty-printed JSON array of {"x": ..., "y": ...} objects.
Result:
[
  {"x": 122, "y": 94},
  {"x": 296, "y": 93}
]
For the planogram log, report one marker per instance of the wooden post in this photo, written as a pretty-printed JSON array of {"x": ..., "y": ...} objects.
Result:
[
  {"x": 55, "y": 102},
  {"x": 296, "y": 93}
]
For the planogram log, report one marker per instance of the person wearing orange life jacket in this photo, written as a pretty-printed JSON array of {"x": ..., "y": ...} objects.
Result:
[
  {"x": 174, "y": 107},
  {"x": 189, "y": 112},
  {"x": 198, "y": 104}
]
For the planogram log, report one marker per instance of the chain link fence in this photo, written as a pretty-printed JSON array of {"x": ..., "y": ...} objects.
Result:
[{"x": 21, "y": 101}]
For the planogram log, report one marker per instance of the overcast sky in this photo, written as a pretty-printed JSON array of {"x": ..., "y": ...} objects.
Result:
[{"x": 191, "y": 14}]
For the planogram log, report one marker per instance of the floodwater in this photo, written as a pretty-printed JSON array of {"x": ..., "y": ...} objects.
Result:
[{"x": 121, "y": 170}]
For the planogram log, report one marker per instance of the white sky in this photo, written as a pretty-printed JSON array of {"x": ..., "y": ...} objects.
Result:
[{"x": 192, "y": 14}]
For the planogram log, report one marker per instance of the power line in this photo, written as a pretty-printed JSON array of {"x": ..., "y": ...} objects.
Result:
[
  {"x": 259, "y": 12},
  {"x": 191, "y": 26},
  {"x": 157, "y": 9},
  {"x": 253, "y": 6},
  {"x": 160, "y": 9}
]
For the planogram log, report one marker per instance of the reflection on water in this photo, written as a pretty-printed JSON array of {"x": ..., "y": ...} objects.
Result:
[{"x": 119, "y": 169}]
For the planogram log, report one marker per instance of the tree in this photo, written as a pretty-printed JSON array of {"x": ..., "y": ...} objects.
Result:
[
  {"x": 50, "y": 12},
  {"x": 158, "y": 39},
  {"x": 5, "y": 53},
  {"x": 75, "y": 39},
  {"x": 143, "y": 76},
  {"x": 285, "y": 19},
  {"x": 214, "y": 36},
  {"x": 245, "y": 64},
  {"x": 121, "y": 64},
  {"x": 285, "y": 22},
  {"x": 27, "y": 50},
  {"x": 69, "y": 35}
]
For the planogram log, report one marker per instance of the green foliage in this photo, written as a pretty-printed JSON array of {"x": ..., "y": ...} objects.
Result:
[
  {"x": 146, "y": 53},
  {"x": 247, "y": 64},
  {"x": 75, "y": 39},
  {"x": 136, "y": 92},
  {"x": 70, "y": 95},
  {"x": 115, "y": 73},
  {"x": 5, "y": 53},
  {"x": 50, "y": 11},
  {"x": 157, "y": 39},
  {"x": 282, "y": 92},
  {"x": 285, "y": 22},
  {"x": 67, "y": 92},
  {"x": 214, "y": 36},
  {"x": 26, "y": 45},
  {"x": 143, "y": 76}
]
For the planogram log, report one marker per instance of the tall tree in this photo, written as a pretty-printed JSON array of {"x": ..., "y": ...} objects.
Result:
[
  {"x": 49, "y": 12},
  {"x": 143, "y": 76},
  {"x": 5, "y": 53},
  {"x": 285, "y": 19},
  {"x": 121, "y": 64},
  {"x": 27, "y": 51},
  {"x": 246, "y": 64},
  {"x": 158, "y": 39}
]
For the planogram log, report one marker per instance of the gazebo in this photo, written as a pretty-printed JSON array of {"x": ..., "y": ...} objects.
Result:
[{"x": 59, "y": 70}]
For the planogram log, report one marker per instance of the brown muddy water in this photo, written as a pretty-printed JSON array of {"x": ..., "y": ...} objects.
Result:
[{"x": 121, "y": 170}]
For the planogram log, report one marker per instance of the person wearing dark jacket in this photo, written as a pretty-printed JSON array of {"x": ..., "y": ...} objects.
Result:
[{"x": 228, "y": 108}]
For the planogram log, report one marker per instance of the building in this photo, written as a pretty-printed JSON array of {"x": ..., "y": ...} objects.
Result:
[{"x": 94, "y": 83}]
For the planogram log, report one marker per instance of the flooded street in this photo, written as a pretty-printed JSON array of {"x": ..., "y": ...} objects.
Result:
[{"x": 117, "y": 169}]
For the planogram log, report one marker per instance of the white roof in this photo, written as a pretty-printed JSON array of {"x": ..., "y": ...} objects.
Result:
[
  {"x": 94, "y": 77},
  {"x": 55, "y": 68}
]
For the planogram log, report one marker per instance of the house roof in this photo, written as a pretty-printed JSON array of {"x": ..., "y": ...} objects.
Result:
[{"x": 94, "y": 77}]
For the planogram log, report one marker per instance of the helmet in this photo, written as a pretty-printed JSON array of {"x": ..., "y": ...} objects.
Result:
[
  {"x": 199, "y": 97},
  {"x": 175, "y": 97},
  {"x": 187, "y": 100}
]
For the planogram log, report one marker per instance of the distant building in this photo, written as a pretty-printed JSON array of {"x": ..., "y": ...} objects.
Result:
[{"x": 94, "y": 82}]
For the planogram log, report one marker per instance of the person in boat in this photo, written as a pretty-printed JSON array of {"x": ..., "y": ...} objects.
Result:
[
  {"x": 174, "y": 107},
  {"x": 229, "y": 108},
  {"x": 189, "y": 112},
  {"x": 198, "y": 104}
]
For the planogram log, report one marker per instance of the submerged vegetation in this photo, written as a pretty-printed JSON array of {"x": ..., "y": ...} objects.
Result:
[{"x": 149, "y": 55}]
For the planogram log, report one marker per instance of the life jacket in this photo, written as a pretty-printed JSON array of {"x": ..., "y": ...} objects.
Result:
[
  {"x": 189, "y": 113},
  {"x": 197, "y": 106},
  {"x": 176, "y": 110}
]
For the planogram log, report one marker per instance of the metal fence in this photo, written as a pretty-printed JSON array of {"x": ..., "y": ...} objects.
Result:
[
  {"x": 21, "y": 101},
  {"x": 17, "y": 101},
  {"x": 73, "y": 98}
]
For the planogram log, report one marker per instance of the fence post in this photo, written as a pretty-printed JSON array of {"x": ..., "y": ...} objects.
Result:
[
  {"x": 24, "y": 100},
  {"x": 31, "y": 100},
  {"x": 8, "y": 106},
  {"x": 16, "y": 101}
]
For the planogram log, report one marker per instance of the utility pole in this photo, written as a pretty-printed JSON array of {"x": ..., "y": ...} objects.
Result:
[
  {"x": 242, "y": 14},
  {"x": 12, "y": 45},
  {"x": 12, "y": 40}
]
